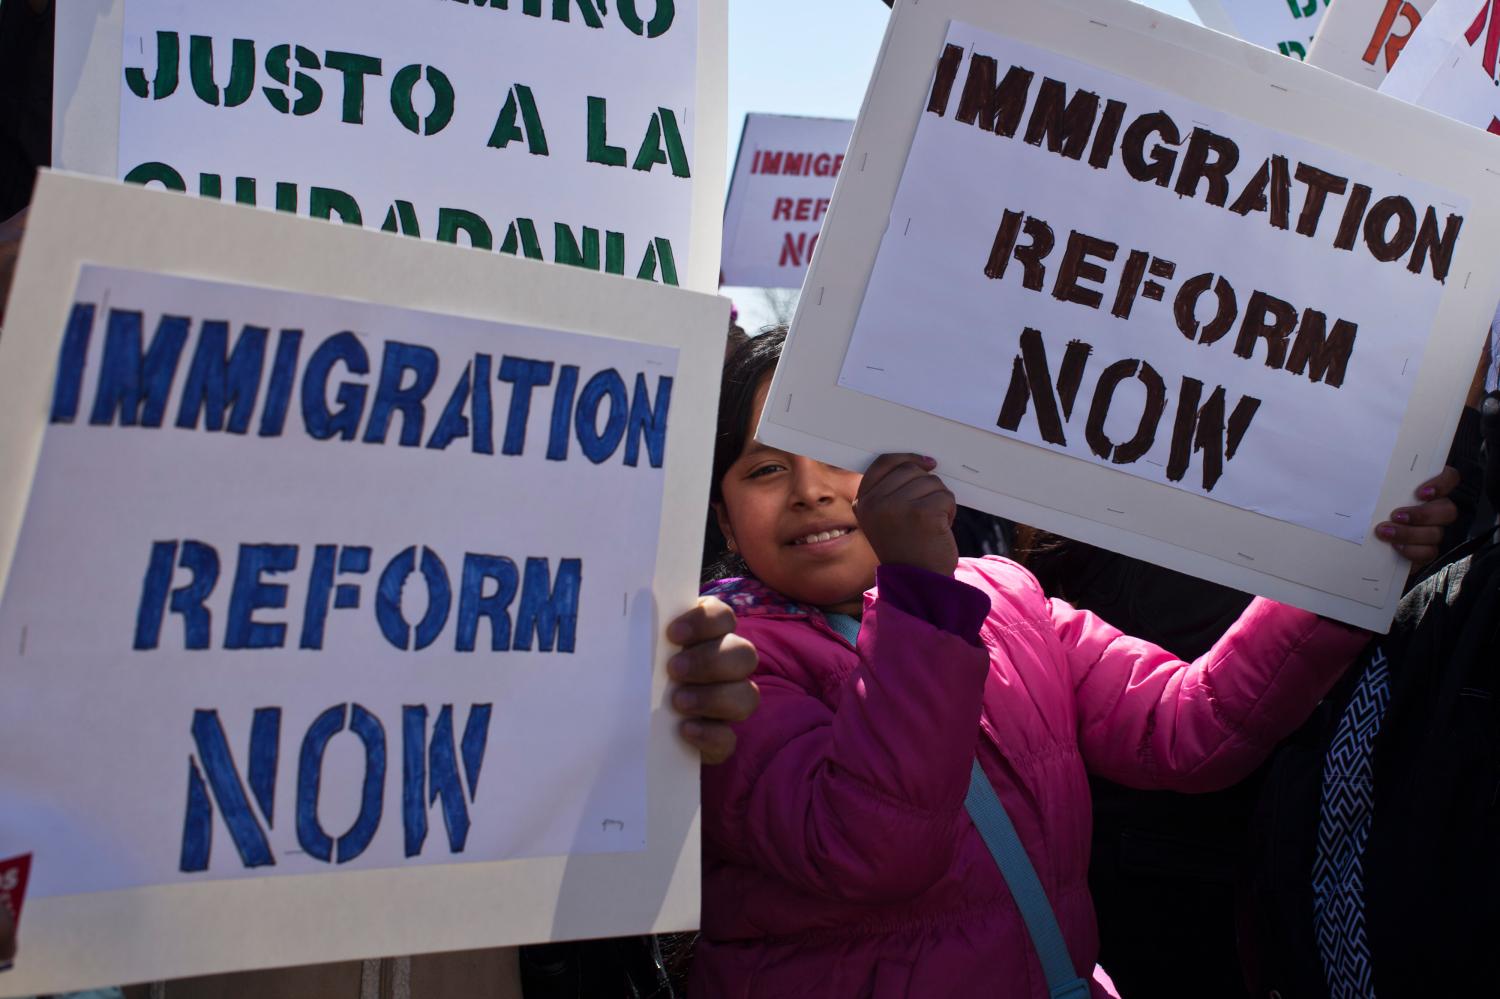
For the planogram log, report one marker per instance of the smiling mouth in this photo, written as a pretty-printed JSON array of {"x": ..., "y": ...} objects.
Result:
[{"x": 820, "y": 536}]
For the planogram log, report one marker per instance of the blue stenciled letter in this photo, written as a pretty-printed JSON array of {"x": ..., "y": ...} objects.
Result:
[
  {"x": 393, "y": 395},
  {"x": 310, "y": 832},
  {"x": 134, "y": 383},
  {"x": 474, "y": 603},
  {"x": 430, "y": 772},
  {"x": 321, "y": 422},
  {"x": 251, "y": 594},
  {"x": 223, "y": 779},
  {"x": 648, "y": 420},
  {"x": 549, "y": 609},
  {"x": 187, "y": 600},
  {"x": 388, "y": 599},
  {"x": 218, "y": 378}
]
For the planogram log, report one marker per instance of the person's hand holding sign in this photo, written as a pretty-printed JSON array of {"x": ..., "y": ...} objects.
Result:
[
  {"x": 712, "y": 673},
  {"x": 1417, "y": 531}
]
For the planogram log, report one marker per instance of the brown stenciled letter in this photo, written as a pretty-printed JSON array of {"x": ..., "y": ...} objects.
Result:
[{"x": 1032, "y": 379}]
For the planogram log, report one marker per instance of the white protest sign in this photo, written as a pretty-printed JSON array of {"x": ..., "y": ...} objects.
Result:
[
  {"x": 1080, "y": 263},
  {"x": 1360, "y": 40},
  {"x": 313, "y": 621},
  {"x": 1209, "y": 316},
  {"x": 781, "y": 189},
  {"x": 1285, "y": 26},
  {"x": 1450, "y": 65},
  {"x": 575, "y": 131}
]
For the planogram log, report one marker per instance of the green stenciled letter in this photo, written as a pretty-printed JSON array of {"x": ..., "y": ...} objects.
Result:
[
  {"x": 401, "y": 103},
  {"x": 168, "y": 51},
  {"x": 325, "y": 202},
  {"x": 600, "y": 151},
  {"x": 663, "y": 127},
  {"x": 521, "y": 235},
  {"x": 659, "y": 24},
  {"x": 156, "y": 173},
  {"x": 309, "y": 90},
  {"x": 241, "y": 71},
  {"x": 586, "y": 8},
  {"x": 565, "y": 247},
  {"x": 520, "y": 101},
  {"x": 452, "y": 221},
  {"x": 355, "y": 68},
  {"x": 402, "y": 218},
  {"x": 658, "y": 250}
]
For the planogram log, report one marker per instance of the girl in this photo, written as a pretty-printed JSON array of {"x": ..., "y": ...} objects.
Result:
[{"x": 840, "y": 856}]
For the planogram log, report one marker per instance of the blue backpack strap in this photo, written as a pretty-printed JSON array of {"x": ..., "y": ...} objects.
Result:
[
  {"x": 1010, "y": 856},
  {"x": 1015, "y": 866}
]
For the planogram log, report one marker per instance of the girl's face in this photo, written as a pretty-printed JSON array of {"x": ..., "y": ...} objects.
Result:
[{"x": 792, "y": 520}]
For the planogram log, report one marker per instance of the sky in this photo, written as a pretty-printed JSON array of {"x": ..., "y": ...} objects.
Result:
[{"x": 809, "y": 57}]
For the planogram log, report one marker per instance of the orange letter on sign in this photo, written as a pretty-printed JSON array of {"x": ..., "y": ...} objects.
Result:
[{"x": 1385, "y": 36}]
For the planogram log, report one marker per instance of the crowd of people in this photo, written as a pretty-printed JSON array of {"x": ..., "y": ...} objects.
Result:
[{"x": 945, "y": 755}]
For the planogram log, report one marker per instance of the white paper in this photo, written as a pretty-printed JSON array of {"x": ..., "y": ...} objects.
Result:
[
  {"x": 937, "y": 334},
  {"x": 1285, "y": 26},
  {"x": 1361, "y": 40},
  {"x": 781, "y": 190},
  {"x": 98, "y": 731},
  {"x": 659, "y": 133}
]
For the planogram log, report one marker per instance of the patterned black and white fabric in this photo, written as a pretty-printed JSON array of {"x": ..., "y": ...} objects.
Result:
[{"x": 1348, "y": 808}]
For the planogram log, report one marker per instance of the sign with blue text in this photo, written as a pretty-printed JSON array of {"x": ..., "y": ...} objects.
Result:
[
  {"x": 309, "y": 584},
  {"x": 582, "y": 132},
  {"x": 1221, "y": 320}
]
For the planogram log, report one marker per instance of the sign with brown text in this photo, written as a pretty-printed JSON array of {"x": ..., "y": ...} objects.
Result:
[{"x": 1166, "y": 316}]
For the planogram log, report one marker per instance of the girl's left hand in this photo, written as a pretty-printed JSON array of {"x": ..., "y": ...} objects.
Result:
[
  {"x": 1416, "y": 532},
  {"x": 712, "y": 673}
]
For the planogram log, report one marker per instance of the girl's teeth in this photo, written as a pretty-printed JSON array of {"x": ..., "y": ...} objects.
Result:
[{"x": 813, "y": 539}]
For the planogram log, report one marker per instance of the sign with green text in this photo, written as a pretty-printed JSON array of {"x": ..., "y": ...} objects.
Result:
[{"x": 573, "y": 131}]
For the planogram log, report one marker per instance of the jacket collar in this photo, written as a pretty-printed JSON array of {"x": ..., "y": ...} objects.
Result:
[{"x": 749, "y": 597}]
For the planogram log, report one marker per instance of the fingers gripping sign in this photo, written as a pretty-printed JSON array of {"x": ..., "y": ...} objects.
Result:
[
  {"x": 1417, "y": 531},
  {"x": 907, "y": 513},
  {"x": 712, "y": 675}
]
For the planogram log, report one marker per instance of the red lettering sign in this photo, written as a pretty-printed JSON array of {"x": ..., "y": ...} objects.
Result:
[
  {"x": 1385, "y": 36},
  {"x": 1487, "y": 23}
]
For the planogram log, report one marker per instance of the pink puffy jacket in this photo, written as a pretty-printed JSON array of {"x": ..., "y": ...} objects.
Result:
[{"x": 839, "y": 859}]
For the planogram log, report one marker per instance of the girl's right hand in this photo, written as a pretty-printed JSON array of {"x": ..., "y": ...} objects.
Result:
[{"x": 907, "y": 513}]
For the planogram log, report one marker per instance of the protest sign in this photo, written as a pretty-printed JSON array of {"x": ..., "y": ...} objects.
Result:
[
  {"x": 782, "y": 186},
  {"x": 1450, "y": 65},
  {"x": 581, "y": 132},
  {"x": 317, "y": 641},
  {"x": 1450, "y": 68},
  {"x": 1360, "y": 40},
  {"x": 1285, "y": 26},
  {"x": 1136, "y": 283}
]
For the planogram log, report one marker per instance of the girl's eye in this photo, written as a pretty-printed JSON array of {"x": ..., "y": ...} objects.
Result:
[{"x": 761, "y": 471}]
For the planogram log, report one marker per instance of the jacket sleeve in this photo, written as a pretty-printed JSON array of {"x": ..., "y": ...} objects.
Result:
[
  {"x": 1147, "y": 719},
  {"x": 860, "y": 803}
]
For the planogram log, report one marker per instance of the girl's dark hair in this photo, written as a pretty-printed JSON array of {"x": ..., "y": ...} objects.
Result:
[{"x": 744, "y": 368}]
